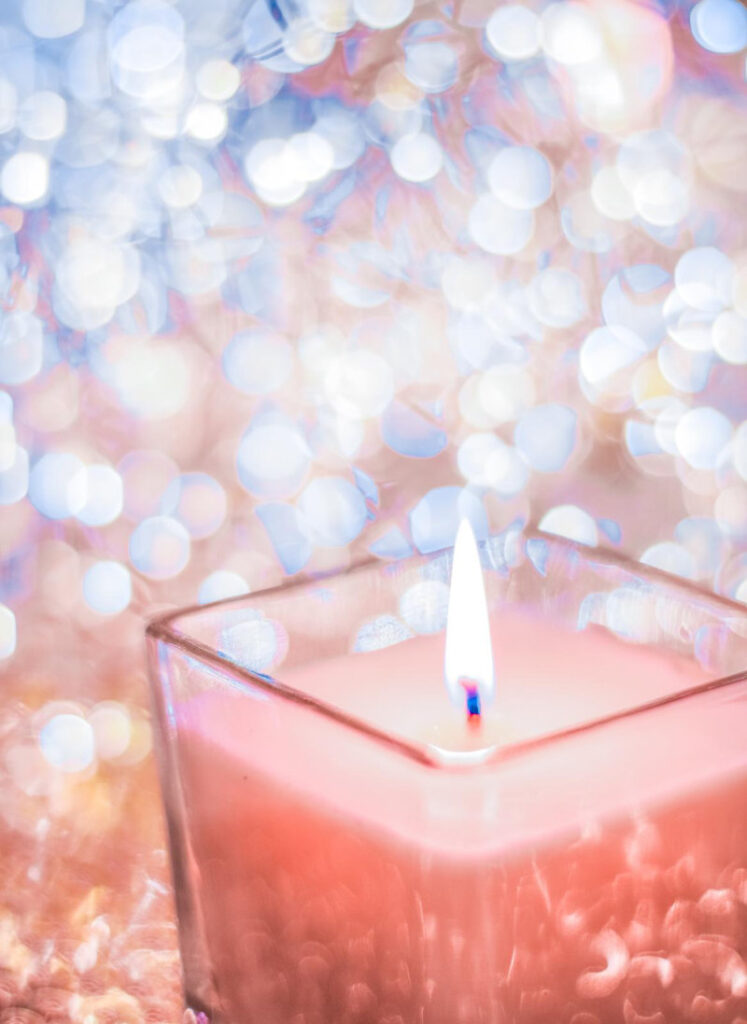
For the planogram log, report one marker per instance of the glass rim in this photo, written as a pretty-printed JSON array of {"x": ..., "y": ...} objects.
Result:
[{"x": 161, "y": 628}]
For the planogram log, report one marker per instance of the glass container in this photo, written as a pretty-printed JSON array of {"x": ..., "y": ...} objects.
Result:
[{"x": 342, "y": 854}]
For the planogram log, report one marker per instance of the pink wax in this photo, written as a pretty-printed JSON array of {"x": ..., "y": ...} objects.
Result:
[{"x": 596, "y": 878}]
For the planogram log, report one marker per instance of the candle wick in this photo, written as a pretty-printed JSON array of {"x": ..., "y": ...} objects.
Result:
[{"x": 472, "y": 695}]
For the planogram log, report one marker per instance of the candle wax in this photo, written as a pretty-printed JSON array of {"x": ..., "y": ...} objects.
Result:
[
  {"x": 548, "y": 679},
  {"x": 595, "y": 879}
]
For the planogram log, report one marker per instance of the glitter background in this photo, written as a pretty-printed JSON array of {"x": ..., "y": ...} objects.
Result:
[{"x": 288, "y": 285}]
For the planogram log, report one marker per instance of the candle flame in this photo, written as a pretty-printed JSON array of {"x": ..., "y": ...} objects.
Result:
[{"x": 468, "y": 658}]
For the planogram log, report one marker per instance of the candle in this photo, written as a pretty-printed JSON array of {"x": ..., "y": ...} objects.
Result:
[{"x": 342, "y": 855}]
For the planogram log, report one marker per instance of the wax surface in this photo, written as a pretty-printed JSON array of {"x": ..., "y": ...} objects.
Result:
[{"x": 548, "y": 678}]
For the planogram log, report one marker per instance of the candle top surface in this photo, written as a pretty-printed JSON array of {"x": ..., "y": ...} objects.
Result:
[
  {"x": 576, "y": 637},
  {"x": 549, "y": 679},
  {"x": 323, "y": 688}
]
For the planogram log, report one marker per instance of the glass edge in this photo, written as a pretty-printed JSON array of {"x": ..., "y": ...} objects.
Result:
[
  {"x": 165, "y": 619},
  {"x": 162, "y": 629}
]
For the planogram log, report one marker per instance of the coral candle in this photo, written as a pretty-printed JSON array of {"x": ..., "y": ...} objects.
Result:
[{"x": 355, "y": 842}]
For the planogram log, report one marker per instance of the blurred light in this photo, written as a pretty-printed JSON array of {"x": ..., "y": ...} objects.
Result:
[
  {"x": 333, "y": 510},
  {"x": 307, "y": 43},
  {"x": 690, "y": 328},
  {"x": 112, "y": 729},
  {"x": 52, "y": 485},
  {"x": 572, "y": 522},
  {"x": 24, "y": 179},
  {"x": 611, "y": 530},
  {"x": 640, "y": 439},
  {"x": 14, "y": 477},
  {"x": 630, "y": 612},
  {"x": 332, "y": 15},
  {"x": 662, "y": 198},
  {"x": 609, "y": 349},
  {"x": 273, "y": 171},
  {"x": 521, "y": 177},
  {"x": 273, "y": 460},
  {"x": 685, "y": 370},
  {"x": 720, "y": 25},
  {"x": 654, "y": 167},
  {"x": 67, "y": 743},
  {"x": 407, "y": 431},
  {"x": 424, "y": 606},
  {"x": 665, "y": 424},
  {"x": 417, "y": 157},
  {"x": 206, "y": 122},
  {"x": 467, "y": 282},
  {"x": 584, "y": 226},
  {"x": 432, "y": 66},
  {"x": 701, "y": 537},
  {"x": 730, "y": 512},
  {"x": 257, "y": 643},
  {"x": 341, "y": 128},
  {"x": 557, "y": 297},
  {"x": 159, "y": 547},
  {"x": 146, "y": 48},
  {"x": 180, "y": 186},
  {"x": 312, "y": 154},
  {"x": 739, "y": 454},
  {"x": 498, "y": 228},
  {"x": 288, "y": 534},
  {"x": 21, "y": 347},
  {"x": 381, "y": 631},
  {"x": 8, "y": 102},
  {"x": 729, "y": 337},
  {"x": 703, "y": 278},
  {"x": 435, "y": 519},
  {"x": 153, "y": 379},
  {"x": 97, "y": 495},
  {"x": 570, "y": 34},
  {"x": 504, "y": 393},
  {"x": 51, "y": 19},
  {"x": 546, "y": 436},
  {"x": 221, "y": 585},
  {"x": 42, "y": 116},
  {"x": 87, "y": 70},
  {"x": 7, "y": 632},
  {"x": 487, "y": 461},
  {"x": 731, "y": 579},
  {"x": 635, "y": 298},
  {"x": 392, "y": 544},
  {"x": 513, "y": 32},
  {"x": 701, "y": 435},
  {"x": 670, "y": 557},
  {"x": 198, "y": 501},
  {"x": 359, "y": 383},
  {"x": 107, "y": 587},
  {"x": 610, "y": 196},
  {"x": 7, "y": 432},
  {"x": 382, "y": 13},
  {"x": 217, "y": 79},
  {"x": 92, "y": 277}
]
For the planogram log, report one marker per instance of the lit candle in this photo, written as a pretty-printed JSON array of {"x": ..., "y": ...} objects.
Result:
[
  {"x": 468, "y": 671},
  {"x": 340, "y": 858}
]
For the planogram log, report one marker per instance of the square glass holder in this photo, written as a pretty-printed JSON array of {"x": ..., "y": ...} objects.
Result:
[{"x": 335, "y": 862}]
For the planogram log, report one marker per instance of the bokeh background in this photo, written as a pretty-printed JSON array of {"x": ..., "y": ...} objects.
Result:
[{"x": 288, "y": 284}]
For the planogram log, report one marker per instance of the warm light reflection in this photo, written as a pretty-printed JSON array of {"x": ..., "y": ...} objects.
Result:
[{"x": 468, "y": 658}]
